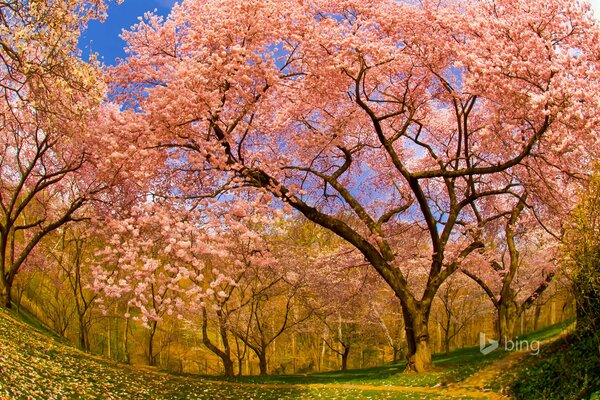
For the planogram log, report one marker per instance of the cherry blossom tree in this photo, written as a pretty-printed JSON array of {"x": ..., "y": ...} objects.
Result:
[
  {"x": 155, "y": 263},
  {"x": 519, "y": 265},
  {"x": 384, "y": 110},
  {"x": 49, "y": 164}
]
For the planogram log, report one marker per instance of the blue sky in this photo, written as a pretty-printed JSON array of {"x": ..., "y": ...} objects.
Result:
[{"x": 103, "y": 38}]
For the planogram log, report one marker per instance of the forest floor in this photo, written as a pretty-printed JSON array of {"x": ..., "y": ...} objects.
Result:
[{"x": 35, "y": 365}]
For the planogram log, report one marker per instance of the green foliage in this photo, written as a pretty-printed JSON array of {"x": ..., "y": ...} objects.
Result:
[
  {"x": 582, "y": 245},
  {"x": 566, "y": 369}
]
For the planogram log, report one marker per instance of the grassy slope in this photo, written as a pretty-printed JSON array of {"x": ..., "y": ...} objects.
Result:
[
  {"x": 567, "y": 368},
  {"x": 34, "y": 365}
]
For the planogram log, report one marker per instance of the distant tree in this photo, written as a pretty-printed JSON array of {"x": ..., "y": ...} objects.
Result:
[
  {"x": 520, "y": 263},
  {"x": 71, "y": 251},
  {"x": 458, "y": 306}
]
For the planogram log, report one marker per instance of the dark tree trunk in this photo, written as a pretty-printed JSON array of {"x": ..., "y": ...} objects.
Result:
[
  {"x": 7, "y": 294},
  {"x": 345, "y": 355},
  {"x": 262, "y": 362},
  {"x": 447, "y": 334},
  {"x": 408, "y": 329},
  {"x": 84, "y": 343},
  {"x": 397, "y": 353},
  {"x": 151, "y": 356},
  {"x": 240, "y": 366},
  {"x": 228, "y": 366}
]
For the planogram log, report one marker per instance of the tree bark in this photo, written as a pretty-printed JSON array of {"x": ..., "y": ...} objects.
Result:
[
  {"x": 262, "y": 362},
  {"x": 507, "y": 318},
  {"x": 224, "y": 355},
  {"x": 151, "y": 357},
  {"x": 7, "y": 294},
  {"x": 396, "y": 354},
  {"x": 240, "y": 366},
  {"x": 417, "y": 338},
  {"x": 345, "y": 355},
  {"x": 83, "y": 336}
]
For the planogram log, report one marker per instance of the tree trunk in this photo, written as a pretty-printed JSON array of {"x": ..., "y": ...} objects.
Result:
[
  {"x": 224, "y": 355},
  {"x": 447, "y": 334},
  {"x": 126, "y": 341},
  {"x": 417, "y": 336},
  {"x": 7, "y": 294},
  {"x": 84, "y": 343},
  {"x": 507, "y": 319},
  {"x": 345, "y": 355},
  {"x": 228, "y": 366},
  {"x": 240, "y": 366},
  {"x": 262, "y": 362},
  {"x": 536, "y": 317},
  {"x": 151, "y": 357},
  {"x": 20, "y": 292},
  {"x": 408, "y": 330},
  {"x": 422, "y": 358},
  {"x": 396, "y": 355}
]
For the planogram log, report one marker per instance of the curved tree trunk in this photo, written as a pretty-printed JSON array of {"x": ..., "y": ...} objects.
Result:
[{"x": 225, "y": 354}]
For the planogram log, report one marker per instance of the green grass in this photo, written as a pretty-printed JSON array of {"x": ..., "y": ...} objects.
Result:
[
  {"x": 549, "y": 332},
  {"x": 454, "y": 367}
]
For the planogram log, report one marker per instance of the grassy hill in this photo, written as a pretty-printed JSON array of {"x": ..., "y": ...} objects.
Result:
[{"x": 35, "y": 365}]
